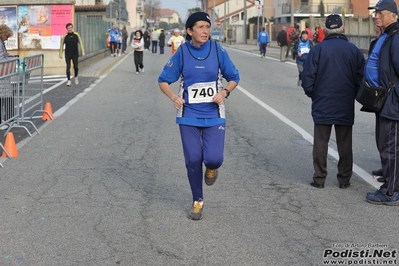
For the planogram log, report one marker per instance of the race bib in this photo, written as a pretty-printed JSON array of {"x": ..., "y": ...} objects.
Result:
[
  {"x": 177, "y": 44},
  {"x": 305, "y": 50},
  {"x": 201, "y": 92}
]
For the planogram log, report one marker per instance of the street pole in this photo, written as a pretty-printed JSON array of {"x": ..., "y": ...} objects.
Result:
[
  {"x": 263, "y": 16},
  {"x": 292, "y": 12},
  {"x": 245, "y": 22},
  {"x": 110, "y": 13},
  {"x": 214, "y": 15},
  {"x": 257, "y": 26},
  {"x": 225, "y": 21},
  {"x": 119, "y": 14}
]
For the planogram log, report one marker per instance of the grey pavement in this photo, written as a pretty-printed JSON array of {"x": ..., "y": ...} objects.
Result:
[
  {"x": 105, "y": 182},
  {"x": 102, "y": 66}
]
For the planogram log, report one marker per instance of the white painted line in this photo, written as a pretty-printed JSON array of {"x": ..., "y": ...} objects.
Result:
[
  {"x": 46, "y": 77},
  {"x": 307, "y": 136},
  {"x": 53, "y": 87},
  {"x": 45, "y": 80},
  {"x": 256, "y": 55}
]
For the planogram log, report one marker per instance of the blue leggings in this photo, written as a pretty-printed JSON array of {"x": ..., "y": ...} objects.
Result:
[{"x": 201, "y": 144}]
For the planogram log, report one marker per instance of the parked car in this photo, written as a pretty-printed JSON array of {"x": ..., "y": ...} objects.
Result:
[{"x": 217, "y": 36}]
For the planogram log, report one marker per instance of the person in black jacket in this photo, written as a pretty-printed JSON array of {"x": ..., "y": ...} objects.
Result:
[
  {"x": 382, "y": 70},
  {"x": 161, "y": 42},
  {"x": 147, "y": 39},
  {"x": 282, "y": 42},
  {"x": 331, "y": 78},
  {"x": 71, "y": 40}
]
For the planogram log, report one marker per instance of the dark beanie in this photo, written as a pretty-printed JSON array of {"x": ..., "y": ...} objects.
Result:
[{"x": 197, "y": 16}]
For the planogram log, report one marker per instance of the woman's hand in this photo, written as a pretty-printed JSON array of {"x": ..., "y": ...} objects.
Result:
[
  {"x": 219, "y": 97},
  {"x": 178, "y": 102}
]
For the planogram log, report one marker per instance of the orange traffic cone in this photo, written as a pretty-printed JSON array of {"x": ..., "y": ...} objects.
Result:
[
  {"x": 10, "y": 146},
  {"x": 48, "y": 115}
]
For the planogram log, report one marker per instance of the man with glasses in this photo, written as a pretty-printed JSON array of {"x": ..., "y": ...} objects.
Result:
[{"x": 382, "y": 69}]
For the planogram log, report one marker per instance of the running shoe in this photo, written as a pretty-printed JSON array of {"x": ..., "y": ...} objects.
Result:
[
  {"x": 380, "y": 198},
  {"x": 68, "y": 83},
  {"x": 196, "y": 211},
  {"x": 210, "y": 176}
]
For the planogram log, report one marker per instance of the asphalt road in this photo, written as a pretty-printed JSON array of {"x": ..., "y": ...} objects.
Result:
[{"x": 105, "y": 182}]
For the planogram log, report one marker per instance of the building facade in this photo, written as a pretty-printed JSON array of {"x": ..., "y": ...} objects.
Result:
[{"x": 169, "y": 16}]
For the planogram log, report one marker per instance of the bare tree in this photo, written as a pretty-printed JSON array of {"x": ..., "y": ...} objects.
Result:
[{"x": 151, "y": 8}]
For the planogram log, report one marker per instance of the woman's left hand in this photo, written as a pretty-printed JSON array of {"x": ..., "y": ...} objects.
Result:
[{"x": 219, "y": 97}]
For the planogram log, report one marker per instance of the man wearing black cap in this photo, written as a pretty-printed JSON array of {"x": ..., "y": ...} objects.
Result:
[
  {"x": 382, "y": 69},
  {"x": 331, "y": 78}
]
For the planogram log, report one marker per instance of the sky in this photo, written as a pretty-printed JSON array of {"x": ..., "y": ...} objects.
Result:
[{"x": 181, "y": 6}]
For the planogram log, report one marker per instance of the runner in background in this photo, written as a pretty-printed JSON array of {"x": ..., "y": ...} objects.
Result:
[
  {"x": 71, "y": 40},
  {"x": 175, "y": 41}
]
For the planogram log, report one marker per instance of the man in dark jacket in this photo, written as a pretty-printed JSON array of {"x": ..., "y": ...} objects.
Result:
[
  {"x": 331, "y": 78},
  {"x": 382, "y": 69},
  {"x": 125, "y": 35},
  {"x": 161, "y": 42},
  {"x": 282, "y": 42}
]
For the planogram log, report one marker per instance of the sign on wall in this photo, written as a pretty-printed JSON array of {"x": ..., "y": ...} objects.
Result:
[
  {"x": 8, "y": 16},
  {"x": 37, "y": 27}
]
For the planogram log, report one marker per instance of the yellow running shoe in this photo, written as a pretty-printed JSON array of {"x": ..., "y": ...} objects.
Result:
[
  {"x": 196, "y": 211},
  {"x": 210, "y": 176}
]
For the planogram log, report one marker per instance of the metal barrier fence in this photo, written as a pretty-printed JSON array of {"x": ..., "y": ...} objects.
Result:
[
  {"x": 21, "y": 93},
  {"x": 9, "y": 93}
]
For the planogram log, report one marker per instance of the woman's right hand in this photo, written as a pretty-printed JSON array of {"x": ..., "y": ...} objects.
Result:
[{"x": 178, "y": 102}]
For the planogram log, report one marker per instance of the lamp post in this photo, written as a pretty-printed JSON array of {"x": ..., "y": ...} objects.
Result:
[
  {"x": 292, "y": 12},
  {"x": 214, "y": 14},
  {"x": 245, "y": 22},
  {"x": 110, "y": 11}
]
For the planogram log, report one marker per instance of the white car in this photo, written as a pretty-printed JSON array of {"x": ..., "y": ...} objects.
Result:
[{"x": 217, "y": 36}]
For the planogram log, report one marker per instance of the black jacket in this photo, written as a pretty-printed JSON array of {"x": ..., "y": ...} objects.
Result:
[
  {"x": 282, "y": 38},
  {"x": 162, "y": 39},
  {"x": 388, "y": 67},
  {"x": 331, "y": 77}
]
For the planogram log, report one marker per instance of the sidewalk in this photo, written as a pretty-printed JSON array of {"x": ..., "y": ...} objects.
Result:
[{"x": 101, "y": 66}]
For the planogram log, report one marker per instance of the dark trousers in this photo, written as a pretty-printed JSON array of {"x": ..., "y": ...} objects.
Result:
[
  {"x": 124, "y": 43},
  {"x": 147, "y": 44},
  {"x": 161, "y": 49},
  {"x": 378, "y": 141},
  {"x": 388, "y": 145},
  {"x": 138, "y": 60},
  {"x": 320, "y": 149},
  {"x": 112, "y": 47},
  {"x": 289, "y": 46},
  {"x": 154, "y": 47},
  {"x": 68, "y": 66},
  {"x": 6, "y": 108},
  {"x": 262, "y": 47},
  {"x": 201, "y": 145}
]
